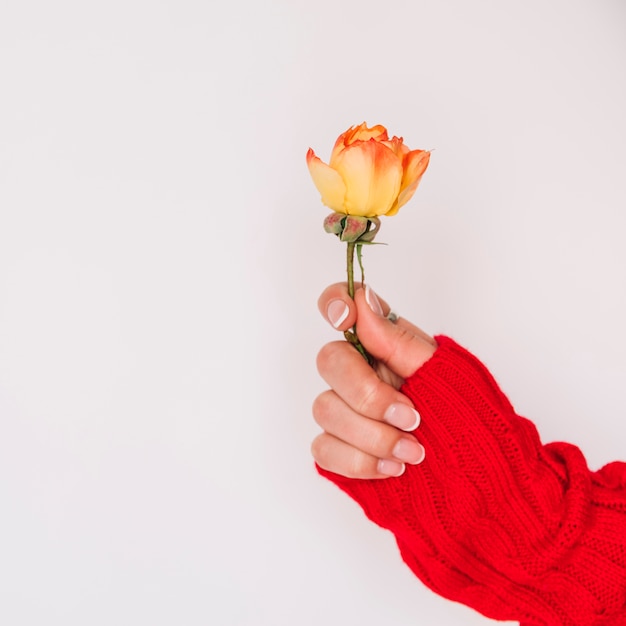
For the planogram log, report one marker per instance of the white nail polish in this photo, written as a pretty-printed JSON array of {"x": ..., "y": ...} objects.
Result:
[
  {"x": 402, "y": 416},
  {"x": 337, "y": 311},
  {"x": 372, "y": 300},
  {"x": 391, "y": 468}
]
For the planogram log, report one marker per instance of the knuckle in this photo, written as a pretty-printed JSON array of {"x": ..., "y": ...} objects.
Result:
[
  {"x": 381, "y": 440},
  {"x": 358, "y": 466},
  {"x": 322, "y": 408},
  {"x": 401, "y": 336},
  {"x": 404, "y": 341},
  {"x": 326, "y": 356},
  {"x": 370, "y": 394},
  {"x": 350, "y": 463},
  {"x": 319, "y": 450}
]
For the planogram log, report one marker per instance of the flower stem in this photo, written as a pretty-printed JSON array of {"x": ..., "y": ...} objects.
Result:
[
  {"x": 350, "y": 266},
  {"x": 351, "y": 335}
]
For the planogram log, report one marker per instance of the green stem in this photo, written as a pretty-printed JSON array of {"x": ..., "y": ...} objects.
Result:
[
  {"x": 351, "y": 335},
  {"x": 350, "y": 266}
]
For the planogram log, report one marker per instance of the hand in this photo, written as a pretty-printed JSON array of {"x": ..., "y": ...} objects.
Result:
[
  {"x": 366, "y": 420},
  {"x": 492, "y": 518}
]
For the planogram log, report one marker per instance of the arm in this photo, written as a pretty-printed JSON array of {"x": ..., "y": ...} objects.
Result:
[{"x": 491, "y": 517}]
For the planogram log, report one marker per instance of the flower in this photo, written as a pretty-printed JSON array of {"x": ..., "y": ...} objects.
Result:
[{"x": 368, "y": 174}]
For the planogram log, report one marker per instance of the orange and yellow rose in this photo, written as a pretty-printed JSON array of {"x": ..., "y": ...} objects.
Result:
[{"x": 368, "y": 174}]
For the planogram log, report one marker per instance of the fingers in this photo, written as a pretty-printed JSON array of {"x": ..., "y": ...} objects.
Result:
[
  {"x": 373, "y": 437},
  {"x": 339, "y": 457},
  {"x": 355, "y": 382},
  {"x": 402, "y": 346},
  {"x": 337, "y": 306},
  {"x": 360, "y": 447},
  {"x": 365, "y": 418},
  {"x": 366, "y": 421}
]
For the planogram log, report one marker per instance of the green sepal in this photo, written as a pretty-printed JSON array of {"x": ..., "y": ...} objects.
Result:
[
  {"x": 352, "y": 228},
  {"x": 359, "y": 258}
]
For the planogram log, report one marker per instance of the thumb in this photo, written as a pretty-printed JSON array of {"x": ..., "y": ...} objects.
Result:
[{"x": 400, "y": 345}]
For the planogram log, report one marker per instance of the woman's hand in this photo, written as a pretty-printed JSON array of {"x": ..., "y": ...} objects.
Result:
[{"x": 366, "y": 420}]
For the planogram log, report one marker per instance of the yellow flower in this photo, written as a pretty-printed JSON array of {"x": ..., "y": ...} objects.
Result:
[{"x": 368, "y": 173}]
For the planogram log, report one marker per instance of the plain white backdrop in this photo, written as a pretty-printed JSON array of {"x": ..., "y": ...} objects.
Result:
[{"x": 161, "y": 254}]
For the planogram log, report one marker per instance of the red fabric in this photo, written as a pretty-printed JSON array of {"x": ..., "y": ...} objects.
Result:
[{"x": 494, "y": 519}]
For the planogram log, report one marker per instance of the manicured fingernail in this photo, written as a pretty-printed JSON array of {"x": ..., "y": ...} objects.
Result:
[
  {"x": 337, "y": 311},
  {"x": 390, "y": 468},
  {"x": 402, "y": 416},
  {"x": 409, "y": 451},
  {"x": 372, "y": 300}
]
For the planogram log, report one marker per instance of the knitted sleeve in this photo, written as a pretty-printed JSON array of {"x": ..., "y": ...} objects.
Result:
[{"x": 494, "y": 519}]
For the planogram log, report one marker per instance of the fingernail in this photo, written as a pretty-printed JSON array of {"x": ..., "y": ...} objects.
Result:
[
  {"x": 337, "y": 311},
  {"x": 390, "y": 468},
  {"x": 372, "y": 300},
  {"x": 409, "y": 451},
  {"x": 402, "y": 416}
]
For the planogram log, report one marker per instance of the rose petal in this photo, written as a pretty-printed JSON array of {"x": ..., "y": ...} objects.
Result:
[
  {"x": 416, "y": 163},
  {"x": 363, "y": 133},
  {"x": 404, "y": 196},
  {"x": 372, "y": 174},
  {"x": 328, "y": 182},
  {"x": 360, "y": 132},
  {"x": 397, "y": 145}
]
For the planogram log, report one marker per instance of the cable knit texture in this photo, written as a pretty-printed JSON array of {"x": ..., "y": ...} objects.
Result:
[{"x": 494, "y": 519}]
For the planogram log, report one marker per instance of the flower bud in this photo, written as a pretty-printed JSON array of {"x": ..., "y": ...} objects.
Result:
[{"x": 352, "y": 228}]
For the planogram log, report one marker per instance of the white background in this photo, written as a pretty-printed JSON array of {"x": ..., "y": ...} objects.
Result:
[{"x": 161, "y": 253}]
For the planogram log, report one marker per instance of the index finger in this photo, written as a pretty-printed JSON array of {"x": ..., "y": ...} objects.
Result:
[
  {"x": 340, "y": 310},
  {"x": 359, "y": 386}
]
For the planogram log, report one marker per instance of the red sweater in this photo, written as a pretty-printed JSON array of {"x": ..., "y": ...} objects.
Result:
[{"x": 494, "y": 519}]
